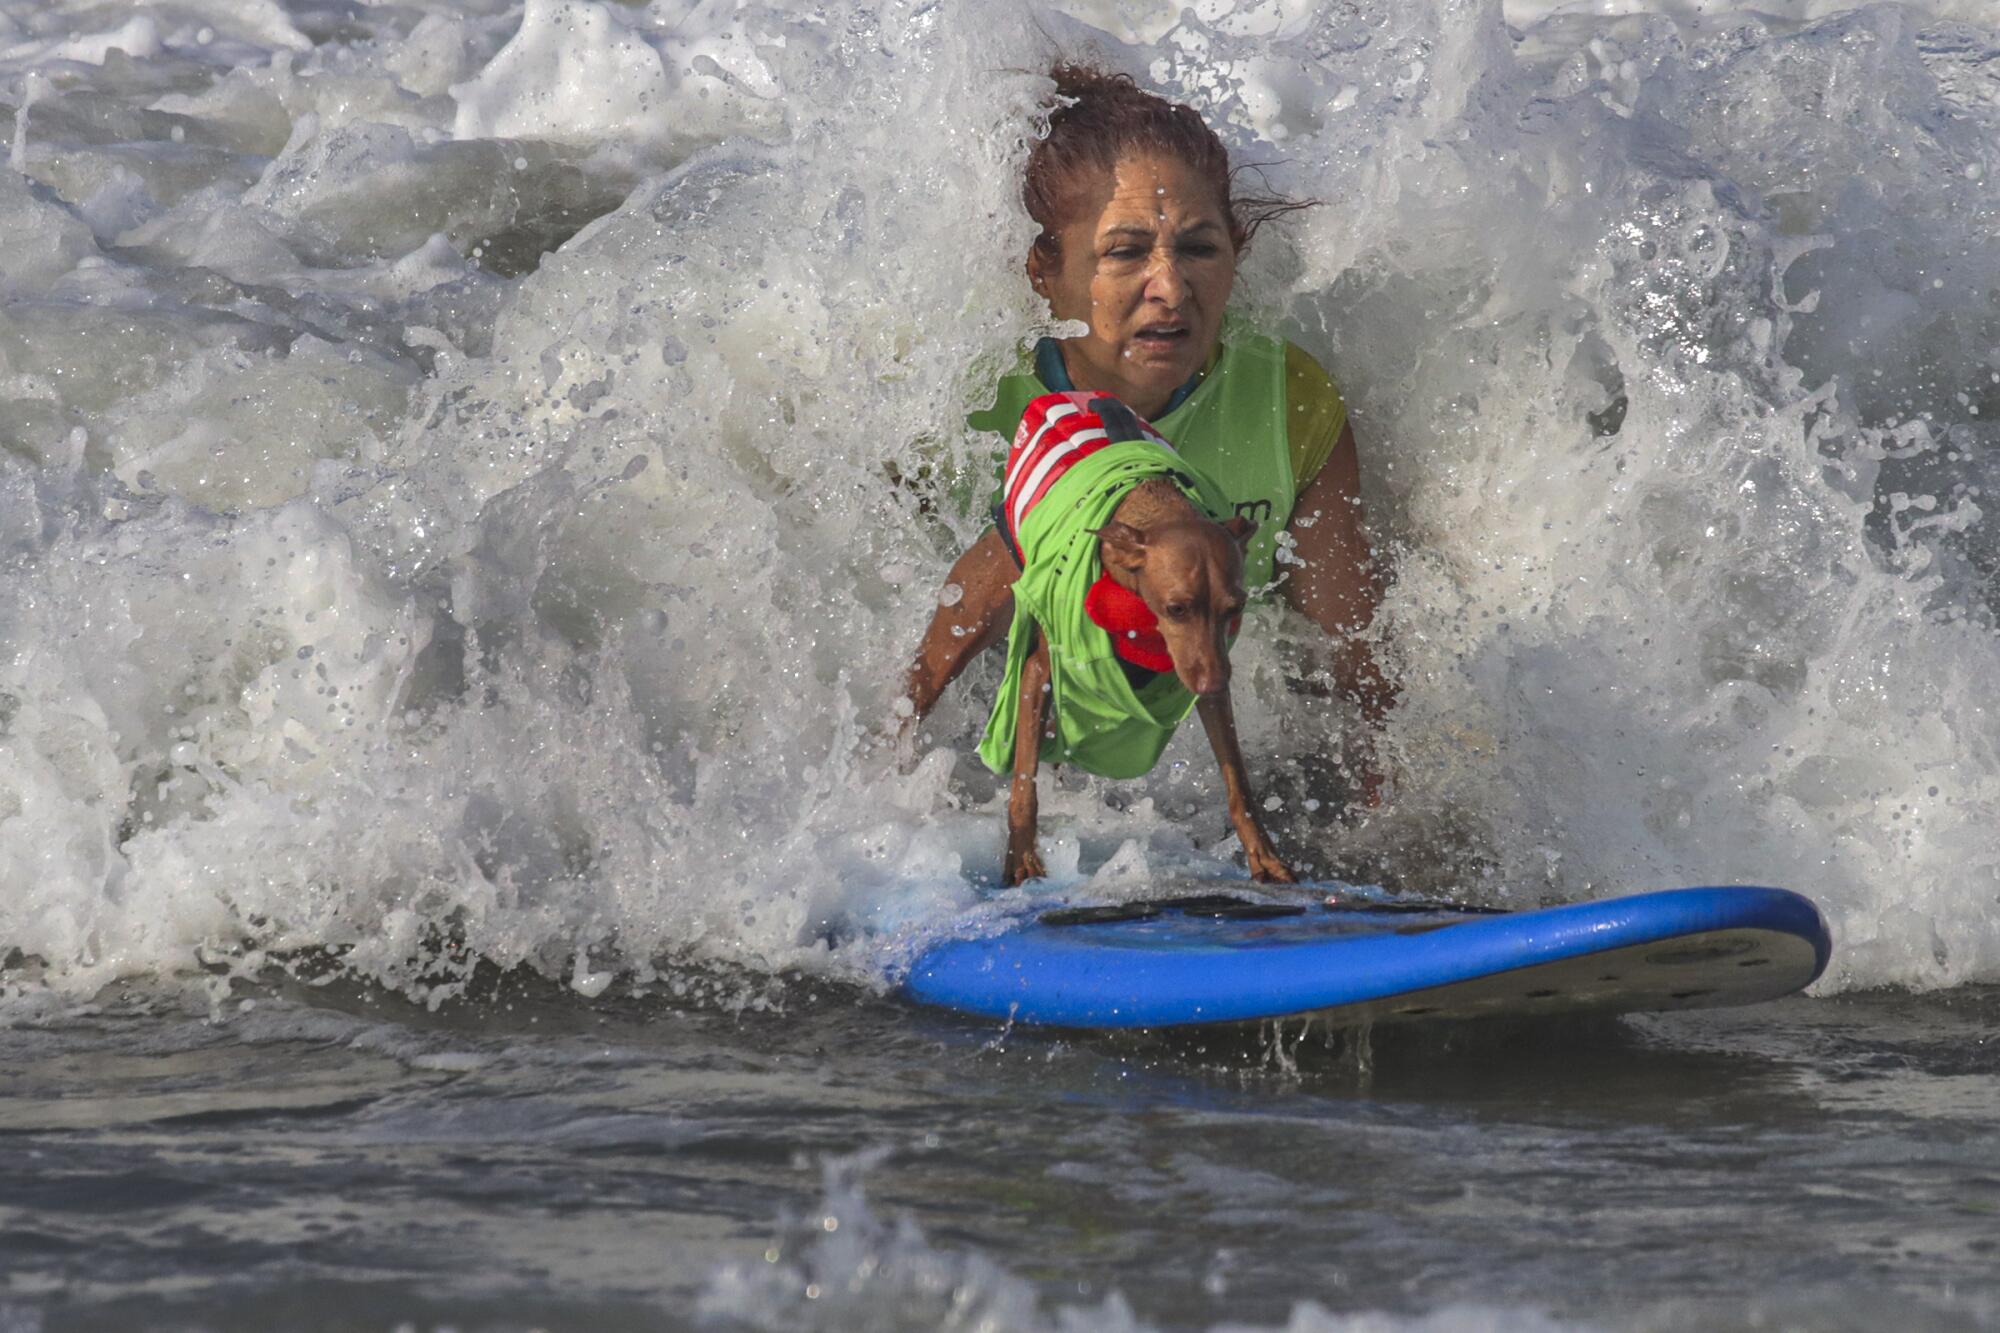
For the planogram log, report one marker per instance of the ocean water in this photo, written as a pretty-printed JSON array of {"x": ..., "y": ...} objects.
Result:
[{"x": 471, "y": 473}]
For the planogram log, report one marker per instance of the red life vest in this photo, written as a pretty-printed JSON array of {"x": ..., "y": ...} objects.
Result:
[{"x": 1057, "y": 431}]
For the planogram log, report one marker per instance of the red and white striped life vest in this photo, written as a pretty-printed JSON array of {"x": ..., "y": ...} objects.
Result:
[{"x": 1058, "y": 431}]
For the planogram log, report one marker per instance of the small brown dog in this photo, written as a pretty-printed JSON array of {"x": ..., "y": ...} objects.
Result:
[{"x": 1093, "y": 493}]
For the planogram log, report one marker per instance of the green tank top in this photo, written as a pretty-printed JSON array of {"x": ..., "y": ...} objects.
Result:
[
  {"x": 1103, "y": 725},
  {"x": 1232, "y": 429}
]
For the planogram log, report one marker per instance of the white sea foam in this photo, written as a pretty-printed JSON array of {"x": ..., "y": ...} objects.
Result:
[
  {"x": 846, "y": 1266},
  {"x": 582, "y": 72},
  {"x": 378, "y": 583}
]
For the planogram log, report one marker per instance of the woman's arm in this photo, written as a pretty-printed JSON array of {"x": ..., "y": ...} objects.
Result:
[
  {"x": 1338, "y": 587},
  {"x": 965, "y": 624}
]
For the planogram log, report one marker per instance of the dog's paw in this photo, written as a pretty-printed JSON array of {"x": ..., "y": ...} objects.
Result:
[
  {"x": 1022, "y": 865},
  {"x": 1266, "y": 868}
]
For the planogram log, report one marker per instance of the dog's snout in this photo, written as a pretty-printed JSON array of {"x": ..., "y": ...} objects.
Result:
[{"x": 1206, "y": 679}]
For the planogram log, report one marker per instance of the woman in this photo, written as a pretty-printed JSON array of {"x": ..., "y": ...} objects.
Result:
[{"x": 1140, "y": 238}]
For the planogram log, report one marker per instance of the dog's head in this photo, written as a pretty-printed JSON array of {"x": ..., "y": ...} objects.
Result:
[{"x": 1190, "y": 575}]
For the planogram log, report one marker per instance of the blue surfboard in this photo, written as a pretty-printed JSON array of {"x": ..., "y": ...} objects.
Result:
[{"x": 1350, "y": 955}]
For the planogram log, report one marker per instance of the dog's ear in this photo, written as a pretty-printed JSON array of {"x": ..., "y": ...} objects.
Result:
[
  {"x": 1123, "y": 546},
  {"x": 1242, "y": 529}
]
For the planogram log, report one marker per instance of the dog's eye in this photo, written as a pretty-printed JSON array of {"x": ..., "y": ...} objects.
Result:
[{"x": 1177, "y": 610}]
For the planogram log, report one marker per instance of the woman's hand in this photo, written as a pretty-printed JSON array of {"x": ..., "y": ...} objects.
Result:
[{"x": 1374, "y": 787}]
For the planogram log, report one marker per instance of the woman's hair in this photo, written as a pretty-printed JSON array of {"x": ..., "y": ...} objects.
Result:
[{"x": 1102, "y": 117}]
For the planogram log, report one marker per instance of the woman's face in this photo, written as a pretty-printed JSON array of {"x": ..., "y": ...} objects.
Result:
[{"x": 1147, "y": 263}]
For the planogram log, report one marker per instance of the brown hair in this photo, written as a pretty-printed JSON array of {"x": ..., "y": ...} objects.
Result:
[{"x": 1102, "y": 116}]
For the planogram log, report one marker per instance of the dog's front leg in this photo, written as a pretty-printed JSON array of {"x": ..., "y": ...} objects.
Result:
[
  {"x": 1024, "y": 862},
  {"x": 1219, "y": 721}
]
